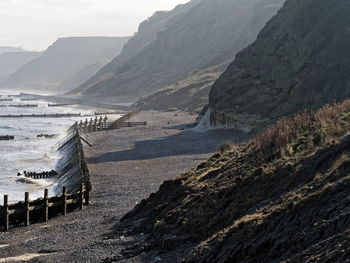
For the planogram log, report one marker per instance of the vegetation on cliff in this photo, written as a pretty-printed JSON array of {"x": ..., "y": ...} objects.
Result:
[{"x": 281, "y": 197}]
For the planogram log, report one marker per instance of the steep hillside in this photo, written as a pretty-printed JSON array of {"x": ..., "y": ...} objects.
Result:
[
  {"x": 81, "y": 76},
  {"x": 62, "y": 60},
  {"x": 10, "y": 62},
  {"x": 146, "y": 34},
  {"x": 300, "y": 60},
  {"x": 208, "y": 34},
  {"x": 281, "y": 197},
  {"x": 190, "y": 94}
]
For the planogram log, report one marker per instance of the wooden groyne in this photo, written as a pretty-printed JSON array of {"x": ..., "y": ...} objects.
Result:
[
  {"x": 47, "y": 136},
  {"x": 7, "y": 138},
  {"x": 102, "y": 124},
  {"x": 42, "y": 209},
  {"x": 27, "y": 99},
  {"x": 42, "y": 175},
  {"x": 73, "y": 183},
  {"x": 56, "y": 115},
  {"x": 23, "y": 105},
  {"x": 59, "y": 105}
]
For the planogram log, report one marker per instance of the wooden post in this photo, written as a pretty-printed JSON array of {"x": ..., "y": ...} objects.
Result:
[
  {"x": 86, "y": 125},
  {"x": 64, "y": 201},
  {"x": 81, "y": 126},
  {"x": 90, "y": 126},
  {"x": 46, "y": 205},
  {"x": 81, "y": 197},
  {"x": 87, "y": 196},
  {"x": 105, "y": 121},
  {"x": 6, "y": 213},
  {"x": 96, "y": 124},
  {"x": 101, "y": 125},
  {"x": 26, "y": 209}
]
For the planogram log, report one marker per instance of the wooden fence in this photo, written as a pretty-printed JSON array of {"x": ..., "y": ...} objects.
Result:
[
  {"x": 40, "y": 210},
  {"x": 102, "y": 124},
  {"x": 73, "y": 182}
]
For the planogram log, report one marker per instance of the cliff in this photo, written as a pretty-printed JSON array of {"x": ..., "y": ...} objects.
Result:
[
  {"x": 300, "y": 60},
  {"x": 61, "y": 61},
  {"x": 281, "y": 197},
  {"x": 201, "y": 35},
  {"x": 10, "y": 62}
]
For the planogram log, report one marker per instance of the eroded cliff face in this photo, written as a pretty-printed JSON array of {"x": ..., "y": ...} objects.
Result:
[
  {"x": 209, "y": 33},
  {"x": 281, "y": 197},
  {"x": 299, "y": 61}
]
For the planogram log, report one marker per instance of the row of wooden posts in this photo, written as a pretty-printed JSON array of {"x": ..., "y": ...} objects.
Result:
[
  {"x": 75, "y": 190},
  {"x": 93, "y": 125},
  {"x": 41, "y": 209},
  {"x": 101, "y": 124}
]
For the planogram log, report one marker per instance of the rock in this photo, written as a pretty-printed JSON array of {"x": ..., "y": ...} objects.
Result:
[{"x": 299, "y": 61}]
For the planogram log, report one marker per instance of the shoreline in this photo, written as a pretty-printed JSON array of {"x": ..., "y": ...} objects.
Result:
[
  {"x": 122, "y": 104},
  {"x": 126, "y": 166},
  {"x": 27, "y": 139}
]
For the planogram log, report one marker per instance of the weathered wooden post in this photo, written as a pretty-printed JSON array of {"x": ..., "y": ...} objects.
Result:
[
  {"x": 96, "y": 126},
  {"x": 81, "y": 125},
  {"x": 81, "y": 197},
  {"x": 6, "y": 213},
  {"x": 100, "y": 123},
  {"x": 26, "y": 209},
  {"x": 64, "y": 201},
  {"x": 105, "y": 121},
  {"x": 86, "y": 125},
  {"x": 90, "y": 125},
  {"x": 46, "y": 205}
]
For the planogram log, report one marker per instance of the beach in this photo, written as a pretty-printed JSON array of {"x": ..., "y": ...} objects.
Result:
[{"x": 126, "y": 166}]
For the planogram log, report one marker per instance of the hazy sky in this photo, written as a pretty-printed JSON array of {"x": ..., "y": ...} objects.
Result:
[{"x": 35, "y": 24}]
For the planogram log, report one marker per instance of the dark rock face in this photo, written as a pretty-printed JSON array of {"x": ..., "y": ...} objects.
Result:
[
  {"x": 202, "y": 35},
  {"x": 300, "y": 60},
  {"x": 61, "y": 61}
]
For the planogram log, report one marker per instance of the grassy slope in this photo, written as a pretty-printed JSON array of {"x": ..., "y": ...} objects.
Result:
[{"x": 283, "y": 196}]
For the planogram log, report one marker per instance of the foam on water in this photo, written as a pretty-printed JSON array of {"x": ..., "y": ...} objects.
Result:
[{"x": 27, "y": 152}]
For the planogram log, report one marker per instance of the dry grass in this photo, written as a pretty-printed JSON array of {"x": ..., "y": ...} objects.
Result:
[{"x": 307, "y": 130}]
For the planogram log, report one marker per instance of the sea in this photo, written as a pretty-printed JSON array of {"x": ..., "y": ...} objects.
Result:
[{"x": 27, "y": 152}]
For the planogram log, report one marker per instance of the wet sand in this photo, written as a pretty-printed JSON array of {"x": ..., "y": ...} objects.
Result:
[{"x": 126, "y": 166}]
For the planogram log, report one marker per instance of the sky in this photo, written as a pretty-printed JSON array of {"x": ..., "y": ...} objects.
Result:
[{"x": 36, "y": 24}]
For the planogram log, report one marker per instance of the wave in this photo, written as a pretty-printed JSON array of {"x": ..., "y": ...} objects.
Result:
[{"x": 9, "y": 127}]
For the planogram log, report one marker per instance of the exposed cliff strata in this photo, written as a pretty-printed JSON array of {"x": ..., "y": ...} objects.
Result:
[
  {"x": 300, "y": 60},
  {"x": 204, "y": 34}
]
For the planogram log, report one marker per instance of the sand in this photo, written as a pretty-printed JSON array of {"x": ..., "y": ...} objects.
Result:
[{"x": 126, "y": 166}]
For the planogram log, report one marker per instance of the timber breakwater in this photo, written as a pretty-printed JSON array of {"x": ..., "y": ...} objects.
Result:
[{"x": 71, "y": 189}]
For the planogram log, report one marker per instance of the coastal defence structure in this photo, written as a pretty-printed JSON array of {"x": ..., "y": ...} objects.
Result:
[
  {"x": 102, "y": 124},
  {"x": 73, "y": 185}
]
